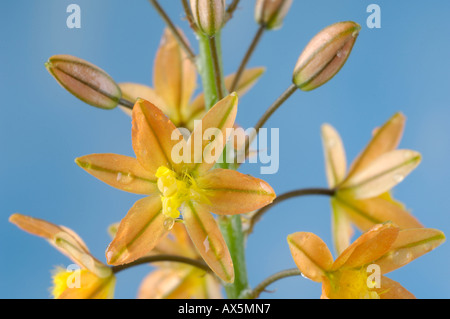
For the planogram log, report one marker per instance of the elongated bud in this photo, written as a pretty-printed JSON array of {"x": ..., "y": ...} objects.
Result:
[
  {"x": 86, "y": 81},
  {"x": 325, "y": 55},
  {"x": 209, "y": 15},
  {"x": 271, "y": 13}
]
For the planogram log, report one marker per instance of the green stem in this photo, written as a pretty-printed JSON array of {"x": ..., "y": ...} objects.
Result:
[{"x": 209, "y": 64}]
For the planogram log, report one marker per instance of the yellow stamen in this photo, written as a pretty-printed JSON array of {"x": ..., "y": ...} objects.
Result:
[
  {"x": 177, "y": 189},
  {"x": 351, "y": 284}
]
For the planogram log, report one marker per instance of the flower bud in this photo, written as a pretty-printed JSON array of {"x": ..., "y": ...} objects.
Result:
[
  {"x": 325, "y": 55},
  {"x": 85, "y": 80},
  {"x": 271, "y": 13},
  {"x": 209, "y": 15}
]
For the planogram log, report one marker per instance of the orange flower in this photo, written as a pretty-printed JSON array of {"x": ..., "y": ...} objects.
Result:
[
  {"x": 362, "y": 195},
  {"x": 93, "y": 281},
  {"x": 174, "y": 80},
  {"x": 172, "y": 280},
  {"x": 357, "y": 272},
  {"x": 174, "y": 182}
]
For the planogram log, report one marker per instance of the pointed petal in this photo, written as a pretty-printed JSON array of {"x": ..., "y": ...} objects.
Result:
[
  {"x": 177, "y": 243},
  {"x": 311, "y": 255},
  {"x": 152, "y": 135},
  {"x": 247, "y": 80},
  {"x": 119, "y": 171},
  {"x": 341, "y": 227},
  {"x": 139, "y": 232},
  {"x": 335, "y": 160},
  {"x": 382, "y": 174},
  {"x": 174, "y": 75},
  {"x": 385, "y": 139},
  {"x": 219, "y": 119},
  {"x": 409, "y": 245},
  {"x": 390, "y": 289},
  {"x": 368, "y": 247},
  {"x": 206, "y": 236},
  {"x": 134, "y": 91},
  {"x": 63, "y": 239},
  {"x": 230, "y": 192},
  {"x": 369, "y": 212}
]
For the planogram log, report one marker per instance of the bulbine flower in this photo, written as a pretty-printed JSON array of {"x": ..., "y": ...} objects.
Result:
[
  {"x": 357, "y": 272},
  {"x": 93, "y": 280},
  {"x": 173, "y": 185},
  {"x": 174, "y": 81},
  {"x": 171, "y": 280},
  {"x": 209, "y": 15},
  {"x": 325, "y": 55},
  {"x": 86, "y": 81},
  {"x": 271, "y": 13},
  {"x": 362, "y": 194}
]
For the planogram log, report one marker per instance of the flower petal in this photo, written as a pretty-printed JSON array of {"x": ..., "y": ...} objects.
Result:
[
  {"x": 384, "y": 140},
  {"x": 382, "y": 174},
  {"x": 206, "y": 236},
  {"x": 390, "y": 289},
  {"x": 231, "y": 192},
  {"x": 174, "y": 75},
  {"x": 368, "y": 247},
  {"x": 335, "y": 160},
  {"x": 311, "y": 255},
  {"x": 246, "y": 82},
  {"x": 152, "y": 135},
  {"x": 119, "y": 171},
  {"x": 409, "y": 245},
  {"x": 139, "y": 232},
  {"x": 205, "y": 151},
  {"x": 134, "y": 91},
  {"x": 91, "y": 287},
  {"x": 341, "y": 227},
  {"x": 63, "y": 239},
  {"x": 369, "y": 212}
]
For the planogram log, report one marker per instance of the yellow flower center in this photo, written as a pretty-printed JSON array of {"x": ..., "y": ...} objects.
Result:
[
  {"x": 62, "y": 280},
  {"x": 175, "y": 190},
  {"x": 352, "y": 284}
]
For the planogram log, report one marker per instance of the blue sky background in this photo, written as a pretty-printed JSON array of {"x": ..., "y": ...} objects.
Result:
[{"x": 401, "y": 67}]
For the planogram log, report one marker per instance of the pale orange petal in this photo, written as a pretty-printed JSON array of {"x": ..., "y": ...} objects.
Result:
[
  {"x": 119, "y": 171},
  {"x": 335, "y": 160},
  {"x": 134, "y": 91},
  {"x": 174, "y": 75},
  {"x": 177, "y": 243},
  {"x": 311, "y": 255},
  {"x": 247, "y": 80},
  {"x": 390, "y": 289},
  {"x": 138, "y": 233},
  {"x": 63, "y": 239},
  {"x": 368, "y": 247},
  {"x": 369, "y": 212},
  {"x": 152, "y": 139},
  {"x": 409, "y": 245},
  {"x": 341, "y": 227},
  {"x": 230, "y": 192},
  {"x": 385, "y": 139},
  {"x": 219, "y": 119},
  {"x": 382, "y": 174},
  {"x": 206, "y": 236}
]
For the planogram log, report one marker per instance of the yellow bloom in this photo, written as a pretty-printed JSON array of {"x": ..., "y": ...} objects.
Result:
[
  {"x": 177, "y": 183},
  {"x": 357, "y": 272},
  {"x": 362, "y": 195},
  {"x": 93, "y": 280},
  {"x": 174, "y": 80}
]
